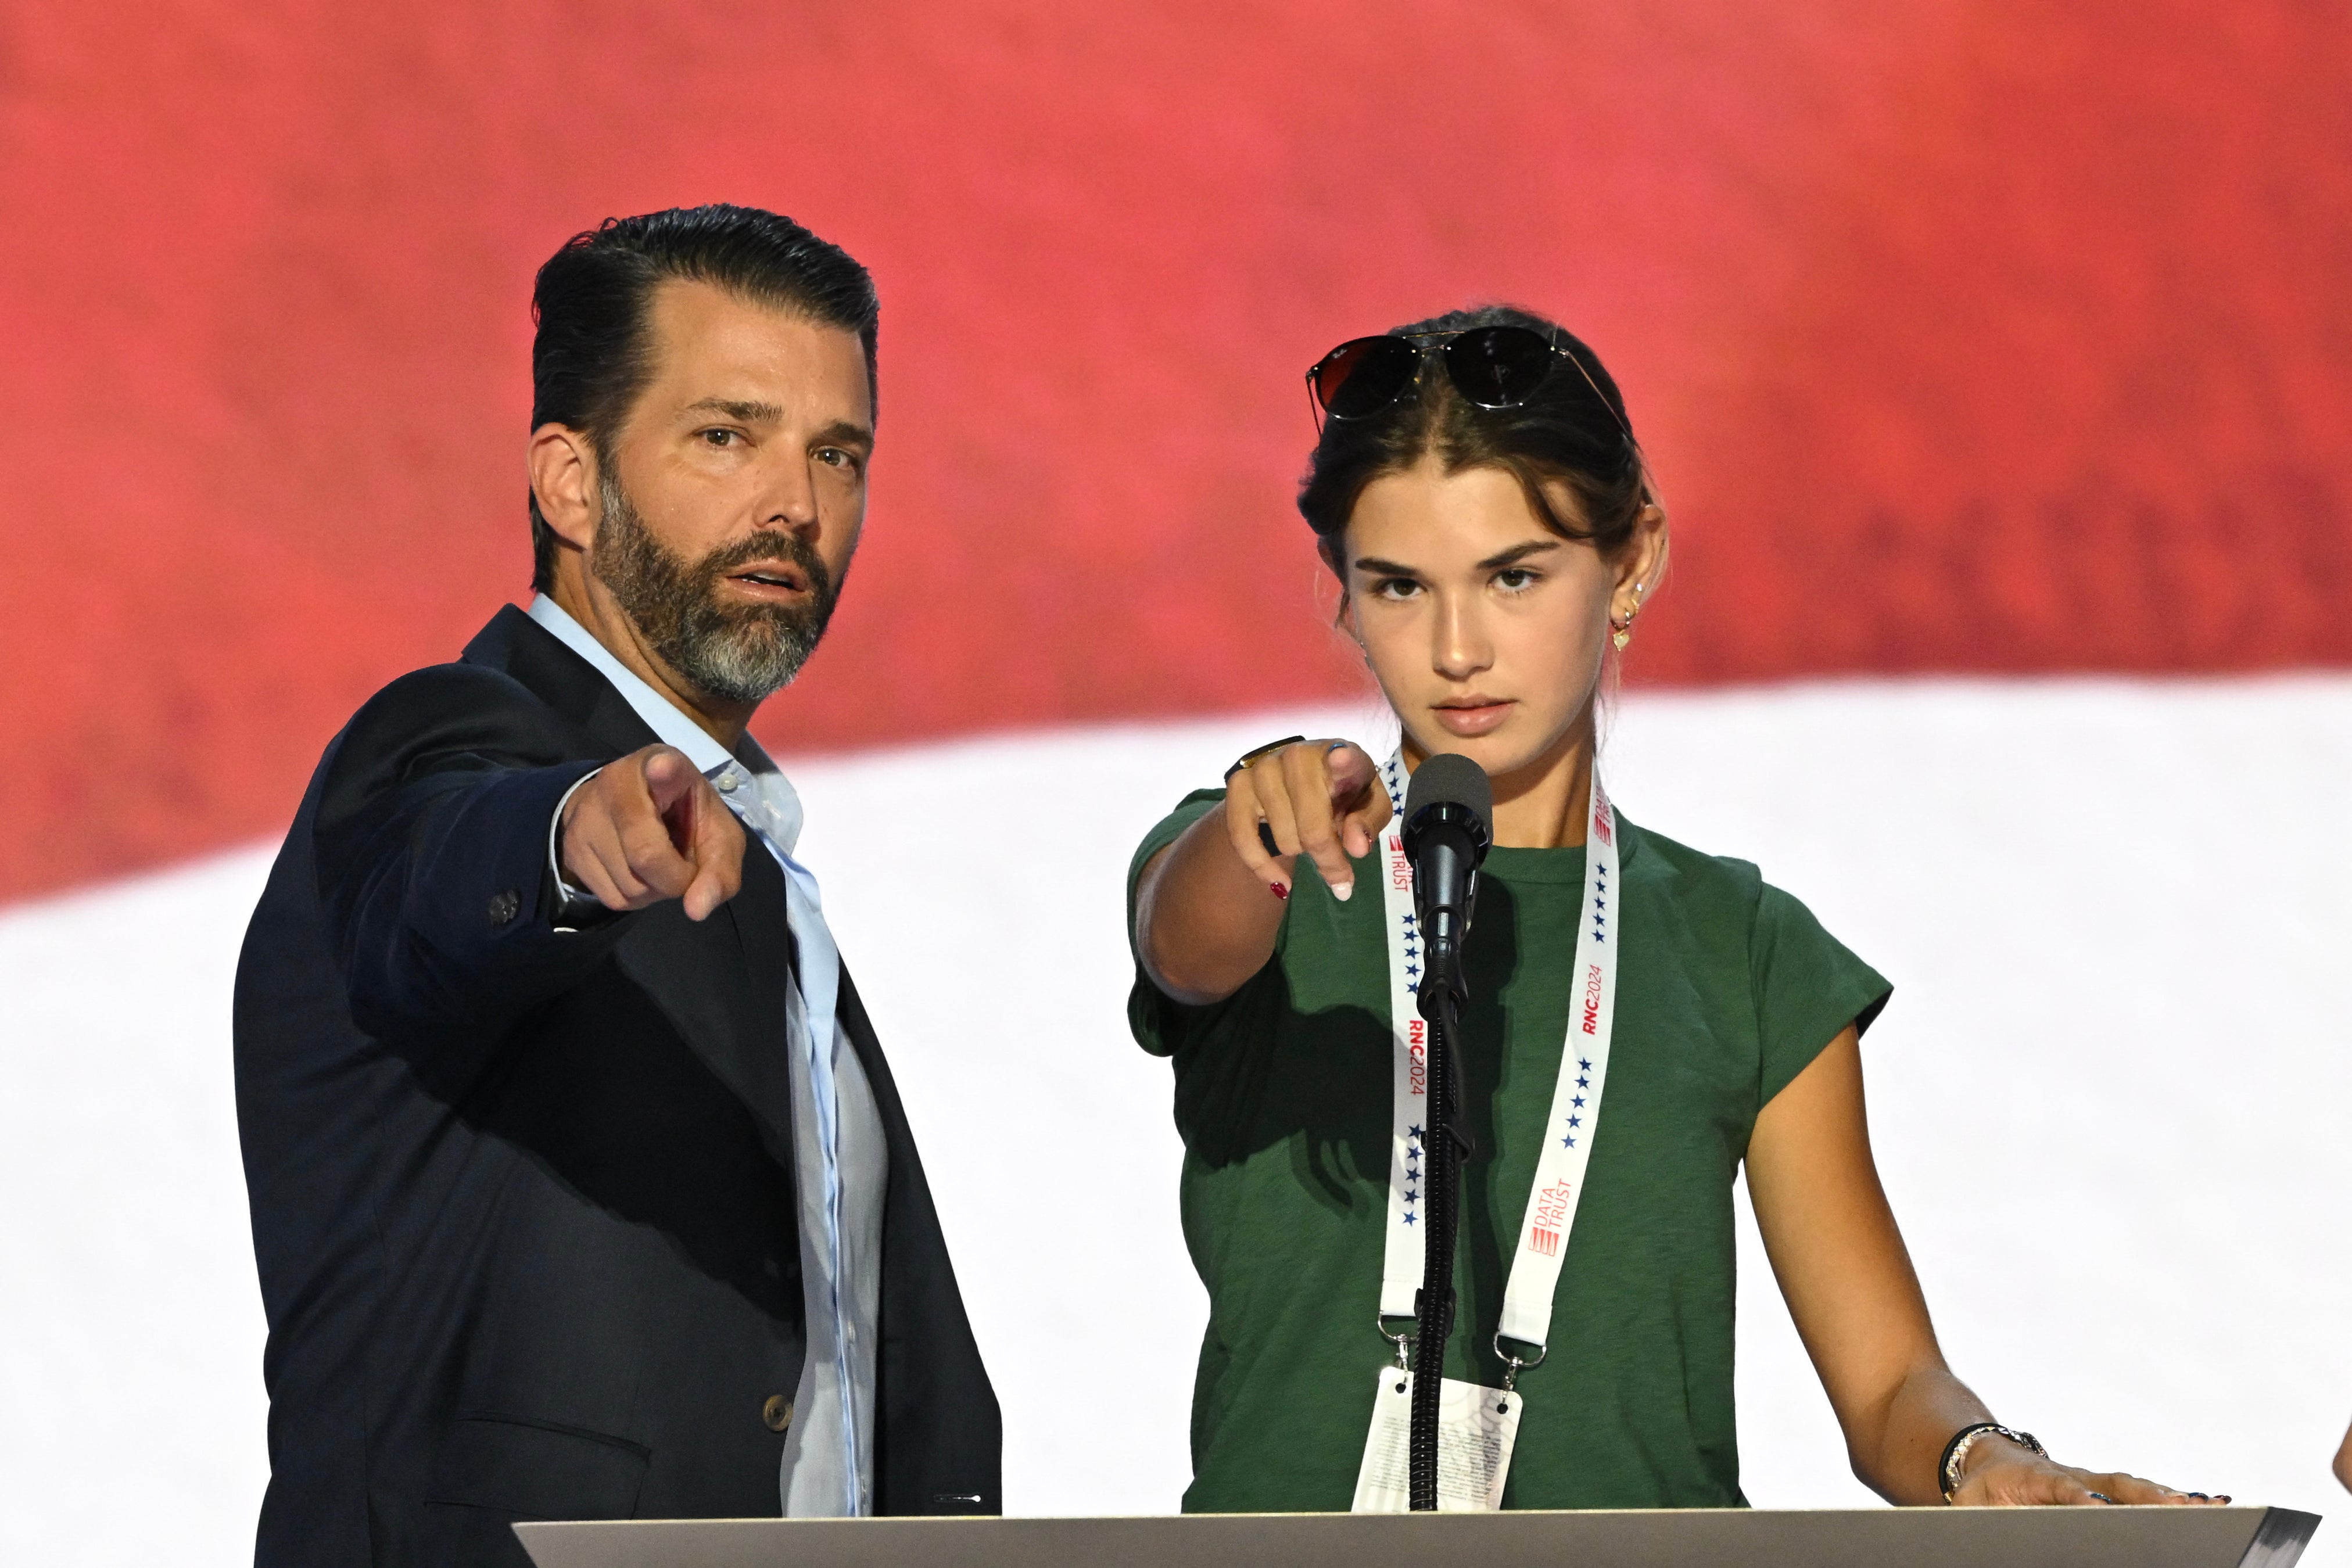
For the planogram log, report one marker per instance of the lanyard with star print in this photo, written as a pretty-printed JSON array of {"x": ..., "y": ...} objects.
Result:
[{"x": 1559, "y": 1184}]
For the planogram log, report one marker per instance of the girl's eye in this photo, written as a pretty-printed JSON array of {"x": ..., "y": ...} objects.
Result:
[
  {"x": 1395, "y": 588},
  {"x": 1514, "y": 580}
]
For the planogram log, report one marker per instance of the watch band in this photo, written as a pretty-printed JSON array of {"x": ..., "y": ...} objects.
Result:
[
  {"x": 1956, "y": 1452},
  {"x": 1247, "y": 758}
]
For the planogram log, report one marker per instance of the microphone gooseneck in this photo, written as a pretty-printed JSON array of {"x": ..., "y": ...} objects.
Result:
[{"x": 1447, "y": 815}]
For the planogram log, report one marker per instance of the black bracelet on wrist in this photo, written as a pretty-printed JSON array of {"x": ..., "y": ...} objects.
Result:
[
  {"x": 1249, "y": 757},
  {"x": 1947, "y": 1469}
]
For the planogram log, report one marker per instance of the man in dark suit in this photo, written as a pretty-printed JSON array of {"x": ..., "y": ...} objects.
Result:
[{"x": 579, "y": 1186}]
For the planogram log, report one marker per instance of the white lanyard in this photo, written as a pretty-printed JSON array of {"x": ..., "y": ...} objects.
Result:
[{"x": 1576, "y": 1097}]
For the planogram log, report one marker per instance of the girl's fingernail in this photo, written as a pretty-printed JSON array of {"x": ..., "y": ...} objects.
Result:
[
  {"x": 1282, "y": 890},
  {"x": 1343, "y": 890},
  {"x": 2103, "y": 1497}
]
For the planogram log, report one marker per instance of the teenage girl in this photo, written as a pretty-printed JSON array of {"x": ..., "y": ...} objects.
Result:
[{"x": 1479, "y": 493}]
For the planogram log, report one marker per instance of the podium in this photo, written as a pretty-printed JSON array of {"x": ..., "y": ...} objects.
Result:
[{"x": 1649, "y": 1538}]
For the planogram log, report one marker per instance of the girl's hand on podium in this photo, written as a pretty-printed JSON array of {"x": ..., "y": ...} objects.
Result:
[{"x": 1999, "y": 1473}]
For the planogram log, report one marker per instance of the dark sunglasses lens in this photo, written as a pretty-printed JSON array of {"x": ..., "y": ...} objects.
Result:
[
  {"x": 1364, "y": 375},
  {"x": 1498, "y": 367}
]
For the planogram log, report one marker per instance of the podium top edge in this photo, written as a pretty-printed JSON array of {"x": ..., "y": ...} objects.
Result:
[{"x": 966, "y": 1519}]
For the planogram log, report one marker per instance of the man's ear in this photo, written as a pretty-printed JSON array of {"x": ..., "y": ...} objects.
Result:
[{"x": 564, "y": 478}]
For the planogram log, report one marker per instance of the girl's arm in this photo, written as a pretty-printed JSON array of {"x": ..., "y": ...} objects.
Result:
[
  {"x": 1848, "y": 1281},
  {"x": 1207, "y": 906}
]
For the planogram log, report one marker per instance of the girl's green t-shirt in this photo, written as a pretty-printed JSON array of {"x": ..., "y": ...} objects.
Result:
[{"x": 1727, "y": 988}]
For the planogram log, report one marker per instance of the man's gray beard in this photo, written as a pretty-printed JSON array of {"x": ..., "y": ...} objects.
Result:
[{"x": 740, "y": 655}]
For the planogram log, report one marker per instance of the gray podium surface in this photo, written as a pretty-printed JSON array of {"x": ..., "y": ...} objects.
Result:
[{"x": 1658, "y": 1538}]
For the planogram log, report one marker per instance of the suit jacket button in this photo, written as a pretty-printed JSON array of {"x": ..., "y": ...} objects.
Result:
[
  {"x": 777, "y": 1412},
  {"x": 504, "y": 906}
]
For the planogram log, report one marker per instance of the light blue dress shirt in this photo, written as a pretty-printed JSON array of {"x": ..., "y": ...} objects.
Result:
[{"x": 842, "y": 1165}]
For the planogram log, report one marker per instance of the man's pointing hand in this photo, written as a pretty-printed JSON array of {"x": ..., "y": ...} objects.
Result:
[{"x": 648, "y": 828}]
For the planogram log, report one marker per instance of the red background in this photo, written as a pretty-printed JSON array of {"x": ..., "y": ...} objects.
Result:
[{"x": 1965, "y": 336}]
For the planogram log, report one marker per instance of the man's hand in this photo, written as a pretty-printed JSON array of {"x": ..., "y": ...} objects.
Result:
[{"x": 647, "y": 828}]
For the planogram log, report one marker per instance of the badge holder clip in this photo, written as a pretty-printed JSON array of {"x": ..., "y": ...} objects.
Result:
[{"x": 1512, "y": 1364}]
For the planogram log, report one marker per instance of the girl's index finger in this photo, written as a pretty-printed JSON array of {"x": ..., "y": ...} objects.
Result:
[{"x": 1352, "y": 770}]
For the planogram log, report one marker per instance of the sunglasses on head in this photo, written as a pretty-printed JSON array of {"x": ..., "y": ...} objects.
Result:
[{"x": 1492, "y": 367}]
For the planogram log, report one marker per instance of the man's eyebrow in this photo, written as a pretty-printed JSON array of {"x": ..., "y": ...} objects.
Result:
[
  {"x": 1517, "y": 554},
  {"x": 737, "y": 408},
  {"x": 842, "y": 433}
]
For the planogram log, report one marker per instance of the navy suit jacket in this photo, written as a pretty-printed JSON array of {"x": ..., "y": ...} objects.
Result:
[{"x": 523, "y": 1200}]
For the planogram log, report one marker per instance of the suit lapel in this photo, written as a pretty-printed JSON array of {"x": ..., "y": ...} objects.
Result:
[
  {"x": 938, "y": 1435},
  {"x": 536, "y": 657},
  {"x": 723, "y": 982},
  {"x": 703, "y": 980},
  {"x": 767, "y": 960}
]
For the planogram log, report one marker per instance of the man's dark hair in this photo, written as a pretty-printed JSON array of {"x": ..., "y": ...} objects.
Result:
[
  {"x": 590, "y": 357},
  {"x": 1562, "y": 434}
]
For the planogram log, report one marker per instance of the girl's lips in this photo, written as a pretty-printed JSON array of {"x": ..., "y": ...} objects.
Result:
[{"x": 1470, "y": 721}]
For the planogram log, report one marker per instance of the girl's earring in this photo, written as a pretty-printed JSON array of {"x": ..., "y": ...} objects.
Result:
[{"x": 1621, "y": 631}]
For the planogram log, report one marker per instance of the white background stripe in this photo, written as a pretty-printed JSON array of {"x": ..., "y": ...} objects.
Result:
[{"x": 2110, "y": 1107}]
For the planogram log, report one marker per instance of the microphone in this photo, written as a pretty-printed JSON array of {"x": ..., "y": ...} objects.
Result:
[
  {"x": 1447, "y": 813},
  {"x": 1447, "y": 817}
]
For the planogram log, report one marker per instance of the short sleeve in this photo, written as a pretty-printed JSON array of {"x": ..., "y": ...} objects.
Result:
[
  {"x": 1808, "y": 988},
  {"x": 1158, "y": 1020}
]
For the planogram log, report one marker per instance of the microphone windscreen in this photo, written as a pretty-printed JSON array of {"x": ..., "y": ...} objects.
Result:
[{"x": 1449, "y": 779}]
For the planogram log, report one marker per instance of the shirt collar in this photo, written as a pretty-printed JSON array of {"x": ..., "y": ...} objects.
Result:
[{"x": 672, "y": 727}]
